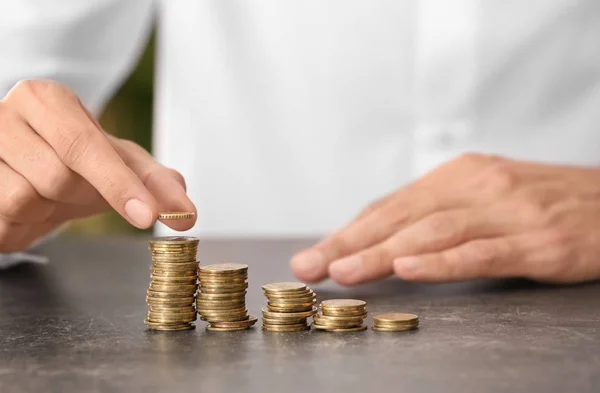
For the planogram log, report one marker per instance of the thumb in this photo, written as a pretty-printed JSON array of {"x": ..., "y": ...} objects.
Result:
[{"x": 166, "y": 185}]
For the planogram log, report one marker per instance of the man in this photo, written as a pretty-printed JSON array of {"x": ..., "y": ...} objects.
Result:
[{"x": 285, "y": 117}]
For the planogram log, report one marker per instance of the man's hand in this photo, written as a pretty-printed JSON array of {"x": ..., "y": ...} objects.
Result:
[
  {"x": 476, "y": 216},
  {"x": 56, "y": 163}
]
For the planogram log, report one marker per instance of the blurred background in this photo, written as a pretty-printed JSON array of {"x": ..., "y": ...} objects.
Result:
[{"x": 128, "y": 115}]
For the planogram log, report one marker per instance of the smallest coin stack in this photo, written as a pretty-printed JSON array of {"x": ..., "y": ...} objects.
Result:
[
  {"x": 170, "y": 296},
  {"x": 341, "y": 315},
  {"x": 289, "y": 306},
  {"x": 395, "y": 322},
  {"x": 221, "y": 300}
]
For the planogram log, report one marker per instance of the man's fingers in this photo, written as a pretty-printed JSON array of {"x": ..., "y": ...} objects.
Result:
[
  {"x": 496, "y": 257},
  {"x": 436, "y": 232},
  {"x": 406, "y": 208},
  {"x": 166, "y": 185},
  {"x": 31, "y": 156},
  {"x": 56, "y": 114},
  {"x": 20, "y": 202}
]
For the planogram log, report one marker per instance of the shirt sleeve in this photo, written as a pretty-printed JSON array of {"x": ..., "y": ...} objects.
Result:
[{"x": 90, "y": 46}]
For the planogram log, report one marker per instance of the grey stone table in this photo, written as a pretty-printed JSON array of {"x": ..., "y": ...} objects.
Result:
[{"x": 76, "y": 325}]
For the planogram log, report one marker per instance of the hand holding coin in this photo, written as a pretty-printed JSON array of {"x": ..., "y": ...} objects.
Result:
[{"x": 57, "y": 164}]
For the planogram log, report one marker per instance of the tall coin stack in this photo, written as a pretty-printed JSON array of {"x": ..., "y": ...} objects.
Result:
[
  {"x": 221, "y": 300},
  {"x": 341, "y": 315},
  {"x": 289, "y": 306},
  {"x": 395, "y": 322},
  {"x": 173, "y": 283}
]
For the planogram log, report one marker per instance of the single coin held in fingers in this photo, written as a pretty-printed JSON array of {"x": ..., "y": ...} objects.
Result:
[{"x": 176, "y": 215}]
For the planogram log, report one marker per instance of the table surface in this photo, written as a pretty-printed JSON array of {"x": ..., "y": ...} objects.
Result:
[{"x": 77, "y": 325}]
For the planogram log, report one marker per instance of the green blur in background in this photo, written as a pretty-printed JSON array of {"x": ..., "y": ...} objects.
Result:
[{"x": 128, "y": 115}]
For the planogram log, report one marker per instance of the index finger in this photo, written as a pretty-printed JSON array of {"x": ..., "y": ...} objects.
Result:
[{"x": 57, "y": 115}]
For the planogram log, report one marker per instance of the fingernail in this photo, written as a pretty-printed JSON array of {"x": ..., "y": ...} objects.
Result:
[
  {"x": 346, "y": 268},
  {"x": 407, "y": 264},
  {"x": 308, "y": 262},
  {"x": 139, "y": 213}
]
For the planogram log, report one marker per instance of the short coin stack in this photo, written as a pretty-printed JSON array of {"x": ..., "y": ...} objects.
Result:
[
  {"x": 289, "y": 306},
  {"x": 341, "y": 315},
  {"x": 173, "y": 283},
  {"x": 221, "y": 300},
  {"x": 395, "y": 322}
]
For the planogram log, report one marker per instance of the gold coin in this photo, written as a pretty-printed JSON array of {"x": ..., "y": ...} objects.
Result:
[
  {"x": 278, "y": 304},
  {"x": 170, "y": 300},
  {"x": 159, "y": 327},
  {"x": 180, "y": 311},
  {"x": 232, "y": 312},
  {"x": 344, "y": 313},
  {"x": 221, "y": 296},
  {"x": 212, "y": 328},
  {"x": 225, "y": 307},
  {"x": 237, "y": 275},
  {"x": 323, "y": 320},
  {"x": 285, "y": 329},
  {"x": 169, "y": 326},
  {"x": 167, "y": 319},
  {"x": 213, "y": 287},
  {"x": 224, "y": 303},
  {"x": 169, "y": 295},
  {"x": 247, "y": 323},
  {"x": 213, "y": 319},
  {"x": 223, "y": 280},
  {"x": 154, "y": 316},
  {"x": 191, "y": 266},
  {"x": 395, "y": 317},
  {"x": 298, "y": 300},
  {"x": 173, "y": 263},
  {"x": 343, "y": 304},
  {"x": 225, "y": 291},
  {"x": 173, "y": 274},
  {"x": 341, "y": 318},
  {"x": 384, "y": 323},
  {"x": 276, "y": 315},
  {"x": 266, "y": 324},
  {"x": 169, "y": 306},
  {"x": 176, "y": 216},
  {"x": 290, "y": 309},
  {"x": 174, "y": 256},
  {"x": 345, "y": 330},
  {"x": 395, "y": 329},
  {"x": 284, "y": 287},
  {"x": 290, "y": 295},
  {"x": 401, "y": 327},
  {"x": 173, "y": 248},
  {"x": 227, "y": 303},
  {"x": 182, "y": 279},
  {"x": 182, "y": 288},
  {"x": 294, "y": 321},
  {"x": 174, "y": 240},
  {"x": 337, "y": 325},
  {"x": 223, "y": 268},
  {"x": 216, "y": 315}
]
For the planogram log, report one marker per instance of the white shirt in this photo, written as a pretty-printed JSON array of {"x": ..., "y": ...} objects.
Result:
[{"x": 287, "y": 117}]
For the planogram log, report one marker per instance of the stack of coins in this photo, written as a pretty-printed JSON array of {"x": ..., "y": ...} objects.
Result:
[
  {"x": 341, "y": 315},
  {"x": 395, "y": 322},
  {"x": 173, "y": 283},
  {"x": 289, "y": 306},
  {"x": 221, "y": 300}
]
